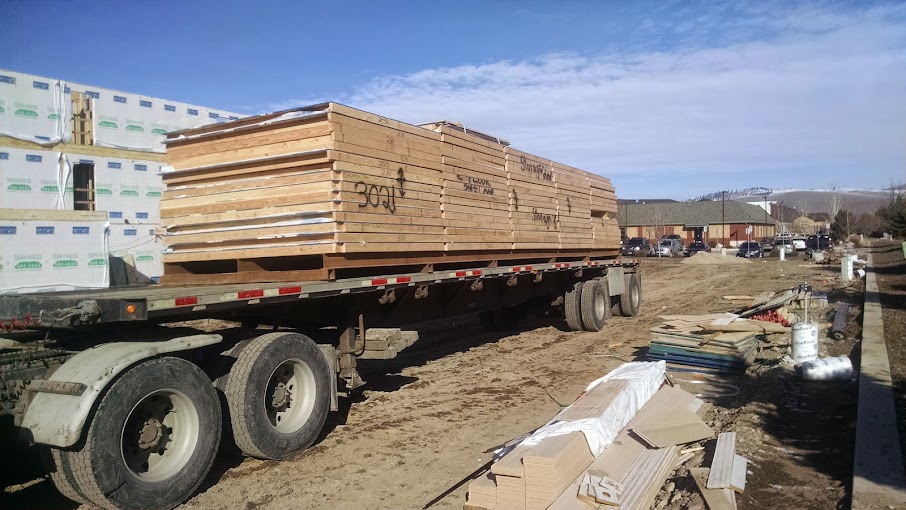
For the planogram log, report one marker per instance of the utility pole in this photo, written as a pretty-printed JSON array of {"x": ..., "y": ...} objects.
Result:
[
  {"x": 765, "y": 215},
  {"x": 723, "y": 217}
]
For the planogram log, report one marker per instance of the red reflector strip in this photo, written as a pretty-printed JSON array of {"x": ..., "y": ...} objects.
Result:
[
  {"x": 379, "y": 281},
  {"x": 476, "y": 272},
  {"x": 289, "y": 290},
  {"x": 248, "y": 294},
  {"x": 186, "y": 301},
  {"x": 403, "y": 279},
  {"x": 460, "y": 274}
]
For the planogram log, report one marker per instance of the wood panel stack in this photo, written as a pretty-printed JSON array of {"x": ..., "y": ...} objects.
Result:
[
  {"x": 251, "y": 194},
  {"x": 329, "y": 180},
  {"x": 573, "y": 206},
  {"x": 533, "y": 201},
  {"x": 474, "y": 199},
  {"x": 605, "y": 228}
]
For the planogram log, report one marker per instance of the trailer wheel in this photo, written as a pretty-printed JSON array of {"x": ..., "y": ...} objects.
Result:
[
  {"x": 595, "y": 305},
  {"x": 150, "y": 442},
  {"x": 278, "y": 392},
  {"x": 62, "y": 478},
  {"x": 571, "y": 303},
  {"x": 631, "y": 299}
]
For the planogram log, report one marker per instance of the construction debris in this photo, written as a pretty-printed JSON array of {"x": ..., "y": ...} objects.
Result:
[
  {"x": 728, "y": 342},
  {"x": 580, "y": 468}
]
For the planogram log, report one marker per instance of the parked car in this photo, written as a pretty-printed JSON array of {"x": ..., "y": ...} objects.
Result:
[
  {"x": 818, "y": 243},
  {"x": 799, "y": 243},
  {"x": 667, "y": 248},
  {"x": 636, "y": 247},
  {"x": 696, "y": 247},
  {"x": 678, "y": 238},
  {"x": 750, "y": 249},
  {"x": 767, "y": 244},
  {"x": 785, "y": 244}
]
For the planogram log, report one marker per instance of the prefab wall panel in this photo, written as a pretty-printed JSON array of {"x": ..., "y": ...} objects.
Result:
[
  {"x": 52, "y": 251},
  {"x": 34, "y": 108},
  {"x": 132, "y": 121},
  {"x": 33, "y": 179}
]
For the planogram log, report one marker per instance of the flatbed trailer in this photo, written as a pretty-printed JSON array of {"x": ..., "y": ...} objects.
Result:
[{"x": 128, "y": 411}]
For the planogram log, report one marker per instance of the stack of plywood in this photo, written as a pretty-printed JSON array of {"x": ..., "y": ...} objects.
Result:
[
  {"x": 551, "y": 473},
  {"x": 252, "y": 194},
  {"x": 533, "y": 201},
  {"x": 551, "y": 465},
  {"x": 474, "y": 199}
]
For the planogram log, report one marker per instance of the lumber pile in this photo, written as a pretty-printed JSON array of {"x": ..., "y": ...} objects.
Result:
[
  {"x": 728, "y": 342},
  {"x": 386, "y": 343},
  {"x": 562, "y": 472},
  {"x": 726, "y": 476},
  {"x": 283, "y": 192}
]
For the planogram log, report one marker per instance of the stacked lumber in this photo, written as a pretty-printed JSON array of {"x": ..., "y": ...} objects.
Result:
[
  {"x": 718, "y": 351},
  {"x": 386, "y": 343},
  {"x": 551, "y": 465},
  {"x": 535, "y": 474},
  {"x": 252, "y": 194},
  {"x": 474, "y": 198},
  {"x": 638, "y": 468},
  {"x": 533, "y": 201}
]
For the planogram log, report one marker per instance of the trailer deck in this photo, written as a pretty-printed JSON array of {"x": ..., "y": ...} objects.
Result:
[{"x": 137, "y": 303}]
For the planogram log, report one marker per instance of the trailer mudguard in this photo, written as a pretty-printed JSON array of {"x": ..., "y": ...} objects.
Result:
[
  {"x": 61, "y": 405},
  {"x": 615, "y": 281}
]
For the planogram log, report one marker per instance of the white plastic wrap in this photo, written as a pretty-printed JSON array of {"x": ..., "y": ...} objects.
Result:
[
  {"x": 34, "y": 108},
  {"x": 140, "y": 242},
  {"x": 52, "y": 251},
  {"x": 644, "y": 380},
  {"x": 132, "y": 121},
  {"x": 130, "y": 190},
  {"x": 34, "y": 179}
]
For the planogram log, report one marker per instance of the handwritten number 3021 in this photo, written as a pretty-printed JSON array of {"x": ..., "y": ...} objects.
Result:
[{"x": 377, "y": 196}]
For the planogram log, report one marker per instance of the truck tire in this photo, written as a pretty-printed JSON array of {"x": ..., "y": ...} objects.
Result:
[
  {"x": 278, "y": 393},
  {"x": 150, "y": 442},
  {"x": 62, "y": 480},
  {"x": 595, "y": 305},
  {"x": 631, "y": 299},
  {"x": 571, "y": 301}
]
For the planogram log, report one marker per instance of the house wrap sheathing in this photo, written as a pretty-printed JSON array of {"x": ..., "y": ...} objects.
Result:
[{"x": 124, "y": 152}]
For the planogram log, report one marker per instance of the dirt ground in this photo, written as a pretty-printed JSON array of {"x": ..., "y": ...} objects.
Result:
[{"x": 429, "y": 418}]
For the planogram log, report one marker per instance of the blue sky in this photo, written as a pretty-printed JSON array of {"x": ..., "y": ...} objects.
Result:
[{"x": 669, "y": 99}]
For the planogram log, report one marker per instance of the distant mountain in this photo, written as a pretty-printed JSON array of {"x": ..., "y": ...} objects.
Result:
[{"x": 814, "y": 200}]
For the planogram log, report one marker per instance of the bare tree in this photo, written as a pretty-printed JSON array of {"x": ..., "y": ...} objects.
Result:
[
  {"x": 804, "y": 206},
  {"x": 658, "y": 219},
  {"x": 834, "y": 203}
]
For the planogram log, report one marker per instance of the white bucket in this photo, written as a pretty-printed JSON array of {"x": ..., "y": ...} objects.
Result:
[
  {"x": 805, "y": 342},
  {"x": 827, "y": 369}
]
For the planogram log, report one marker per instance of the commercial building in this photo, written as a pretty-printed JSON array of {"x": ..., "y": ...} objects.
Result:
[{"x": 726, "y": 222}]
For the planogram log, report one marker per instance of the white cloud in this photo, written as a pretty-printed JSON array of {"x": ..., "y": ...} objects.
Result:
[{"x": 822, "y": 99}]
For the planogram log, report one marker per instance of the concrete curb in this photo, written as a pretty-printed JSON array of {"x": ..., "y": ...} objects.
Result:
[{"x": 879, "y": 480}]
